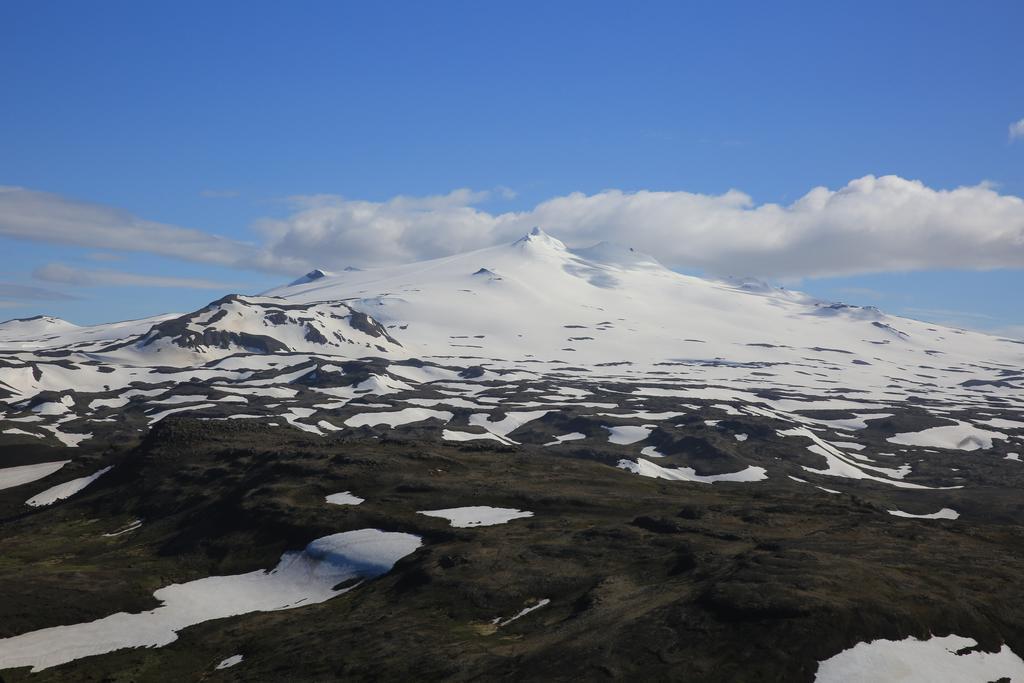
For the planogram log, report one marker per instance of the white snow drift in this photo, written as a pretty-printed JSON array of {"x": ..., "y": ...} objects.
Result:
[
  {"x": 65, "y": 490},
  {"x": 397, "y": 417},
  {"x": 477, "y": 515},
  {"x": 24, "y": 474},
  {"x": 944, "y": 513},
  {"x": 646, "y": 468},
  {"x": 961, "y": 436},
  {"x": 935, "y": 660},
  {"x": 300, "y": 578},
  {"x": 344, "y": 498}
]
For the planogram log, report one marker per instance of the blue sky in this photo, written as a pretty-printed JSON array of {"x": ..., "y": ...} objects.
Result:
[{"x": 255, "y": 121}]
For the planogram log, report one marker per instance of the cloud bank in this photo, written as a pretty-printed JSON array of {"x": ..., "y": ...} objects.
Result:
[
  {"x": 47, "y": 217},
  {"x": 14, "y": 295},
  {"x": 872, "y": 224},
  {"x": 85, "y": 277}
]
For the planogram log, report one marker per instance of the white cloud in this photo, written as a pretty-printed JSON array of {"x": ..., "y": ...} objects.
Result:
[
  {"x": 58, "y": 272},
  {"x": 870, "y": 225},
  {"x": 16, "y": 296},
  {"x": 1017, "y": 130},
  {"x": 46, "y": 217},
  {"x": 333, "y": 231}
]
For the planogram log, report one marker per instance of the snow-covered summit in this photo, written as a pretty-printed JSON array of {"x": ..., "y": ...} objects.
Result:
[
  {"x": 538, "y": 238},
  {"x": 537, "y": 300},
  {"x": 47, "y": 332},
  {"x": 536, "y": 297},
  {"x": 312, "y": 275},
  {"x": 37, "y": 326}
]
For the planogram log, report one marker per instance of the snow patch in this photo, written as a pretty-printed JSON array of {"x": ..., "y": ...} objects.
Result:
[
  {"x": 156, "y": 417},
  {"x": 573, "y": 436},
  {"x": 521, "y": 613},
  {"x": 944, "y": 513},
  {"x": 344, "y": 498},
  {"x": 1000, "y": 423},
  {"x": 935, "y": 660},
  {"x": 65, "y": 490},
  {"x": 477, "y": 515},
  {"x": 961, "y": 436},
  {"x": 15, "y": 430},
  {"x": 646, "y": 468},
  {"x": 300, "y": 578},
  {"x": 24, "y": 474},
  {"x": 453, "y": 435},
  {"x": 629, "y": 434},
  {"x": 230, "y": 662},
  {"x": 511, "y": 422},
  {"x": 398, "y": 417},
  {"x": 131, "y": 527}
]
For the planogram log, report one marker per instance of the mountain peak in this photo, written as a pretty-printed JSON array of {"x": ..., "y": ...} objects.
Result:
[
  {"x": 539, "y": 238},
  {"x": 311, "y": 276},
  {"x": 37, "y": 323}
]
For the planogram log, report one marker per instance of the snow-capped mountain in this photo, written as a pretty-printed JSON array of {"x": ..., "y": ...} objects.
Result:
[
  {"x": 36, "y": 326},
  {"x": 603, "y": 335},
  {"x": 532, "y": 299},
  {"x": 237, "y": 324},
  {"x": 47, "y": 332},
  {"x": 538, "y": 299}
]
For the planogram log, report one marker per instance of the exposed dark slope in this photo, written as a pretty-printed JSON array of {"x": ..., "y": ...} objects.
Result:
[{"x": 648, "y": 579}]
